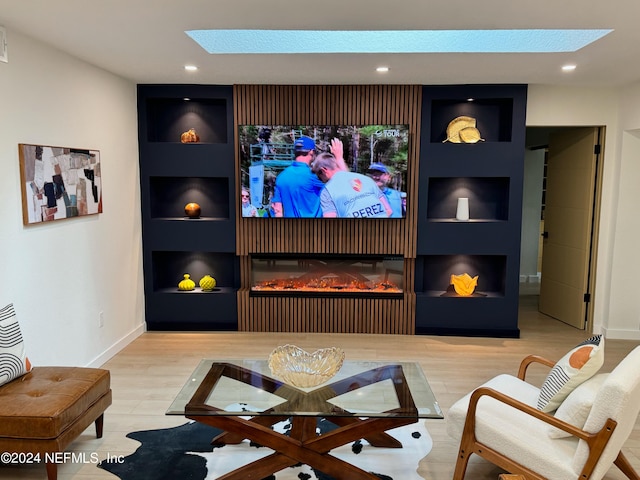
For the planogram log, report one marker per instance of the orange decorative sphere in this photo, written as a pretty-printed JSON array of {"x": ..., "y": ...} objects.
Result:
[{"x": 192, "y": 210}]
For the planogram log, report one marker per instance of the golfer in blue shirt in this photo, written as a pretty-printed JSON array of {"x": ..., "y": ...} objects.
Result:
[{"x": 297, "y": 190}]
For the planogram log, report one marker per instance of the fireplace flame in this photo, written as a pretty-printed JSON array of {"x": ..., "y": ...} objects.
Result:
[
  {"x": 325, "y": 284},
  {"x": 330, "y": 276}
]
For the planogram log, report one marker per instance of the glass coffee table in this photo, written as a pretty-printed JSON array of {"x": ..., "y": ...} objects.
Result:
[{"x": 364, "y": 400}]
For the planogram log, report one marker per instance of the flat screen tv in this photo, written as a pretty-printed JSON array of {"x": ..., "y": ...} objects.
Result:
[{"x": 323, "y": 171}]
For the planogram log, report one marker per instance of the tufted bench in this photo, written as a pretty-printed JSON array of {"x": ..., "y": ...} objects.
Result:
[{"x": 42, "y": 412}]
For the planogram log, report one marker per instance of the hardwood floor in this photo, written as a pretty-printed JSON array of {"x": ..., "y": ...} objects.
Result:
[{"x": 149, "y": 372}]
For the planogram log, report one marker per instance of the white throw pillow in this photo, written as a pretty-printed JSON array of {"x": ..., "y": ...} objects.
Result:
[
  {"x": 576, "y": 407},
  {"x": 578, "y": 365},
  {"x": 13, "y": 360}
]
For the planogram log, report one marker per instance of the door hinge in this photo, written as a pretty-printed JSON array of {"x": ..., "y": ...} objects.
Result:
[
  {"x": 596, "y": 149},
  {"x": 587, "y": 297}
]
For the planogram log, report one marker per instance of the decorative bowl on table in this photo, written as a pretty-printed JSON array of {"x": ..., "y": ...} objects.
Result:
[{"x": 302, "y": 369}]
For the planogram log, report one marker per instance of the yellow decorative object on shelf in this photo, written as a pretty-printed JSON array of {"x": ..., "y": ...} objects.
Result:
[
  {"x": 207, "y": 283},
  {"x": 464, "y": 284},
  {"x": 187, "y": 284},
  {"x": 470, "y": 135},
  {"x": 463, "y": 129}
]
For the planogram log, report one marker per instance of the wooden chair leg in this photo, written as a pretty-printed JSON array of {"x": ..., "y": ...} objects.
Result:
[
  {"x": 99, "y": 424},
  {"x": 52, "y": 470},
  {"x": 625, "y": 467},
  {"x": 461, "y": 463}
]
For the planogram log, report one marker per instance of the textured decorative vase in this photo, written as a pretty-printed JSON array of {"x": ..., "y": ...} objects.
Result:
[
  {"x": 207, "y": 283},
  {"x": 192, "y": 210},
  {"x": 187, "y": 284},
  {"x": 462, "y": 212}
]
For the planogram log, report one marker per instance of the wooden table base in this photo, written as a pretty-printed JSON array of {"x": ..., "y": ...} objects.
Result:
[{"x": 303, "y": 444}]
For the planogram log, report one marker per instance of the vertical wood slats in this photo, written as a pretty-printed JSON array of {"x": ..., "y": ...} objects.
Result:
[
  {"x": 330, "y": 105},
  {"x": 336, "y": 315}
]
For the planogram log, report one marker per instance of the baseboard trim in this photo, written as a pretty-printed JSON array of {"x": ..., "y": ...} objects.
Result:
[
  {"x": 116, "y": 347},
  {"x": 620, "y": 334}
]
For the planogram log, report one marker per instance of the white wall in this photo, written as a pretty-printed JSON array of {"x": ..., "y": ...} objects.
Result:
[
  {"x": 60, "y": 275},
  {"x": 624, "y": 307}
]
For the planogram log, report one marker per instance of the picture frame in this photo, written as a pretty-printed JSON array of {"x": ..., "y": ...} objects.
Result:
[{"x": 59, "y": 183}]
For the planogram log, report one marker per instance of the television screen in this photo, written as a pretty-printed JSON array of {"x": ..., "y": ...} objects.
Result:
[{"x": 329, "y": 171}]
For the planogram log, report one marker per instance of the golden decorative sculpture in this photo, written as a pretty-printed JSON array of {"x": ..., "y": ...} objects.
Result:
[
  {"x": 464, "y": 284},
  {"x": 190, "y": 136},
  {"x": 463, "y": 129}
]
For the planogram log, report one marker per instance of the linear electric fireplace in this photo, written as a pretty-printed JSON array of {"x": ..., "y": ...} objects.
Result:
[{"x": 332, "y": 276}]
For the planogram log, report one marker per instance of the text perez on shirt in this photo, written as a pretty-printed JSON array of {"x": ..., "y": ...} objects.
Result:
[{"x": 371, "y": 211}]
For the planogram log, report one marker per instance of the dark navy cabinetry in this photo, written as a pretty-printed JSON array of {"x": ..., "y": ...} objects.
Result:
[
  {"x": 173, "y": 174},
  {"x": 489, "y": 173}
]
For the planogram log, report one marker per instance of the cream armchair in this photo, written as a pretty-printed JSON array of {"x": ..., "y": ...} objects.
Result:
[{"x": 499, "y": 421}]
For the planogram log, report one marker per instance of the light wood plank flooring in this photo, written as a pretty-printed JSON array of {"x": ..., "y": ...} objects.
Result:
[{"x": 148, "y": 373}]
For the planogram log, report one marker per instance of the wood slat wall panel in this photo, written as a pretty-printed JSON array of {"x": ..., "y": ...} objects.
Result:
[
  {"x": 329, "y": 105},
  {"x": 337, "y": 315}
]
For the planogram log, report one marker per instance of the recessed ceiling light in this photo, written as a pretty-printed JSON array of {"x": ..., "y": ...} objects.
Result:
[
  {"x": 470, "y": 99},
  {"x": 568, "y": 68},
  {"x": 254, "y": 41},
  {"x": 382, "y": 69},
  {"x": 186, "y": 99},
  {"x": 190, "y": 68}
]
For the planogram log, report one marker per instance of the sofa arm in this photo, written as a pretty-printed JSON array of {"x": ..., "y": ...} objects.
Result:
[{"x": 528, "y": 360}]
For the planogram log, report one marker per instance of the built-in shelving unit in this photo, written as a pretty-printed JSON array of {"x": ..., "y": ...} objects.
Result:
[
  {"x": 489, "y": 173},
  {"x": 173, "y": 174},
  {"x": 430, "y": 242}
]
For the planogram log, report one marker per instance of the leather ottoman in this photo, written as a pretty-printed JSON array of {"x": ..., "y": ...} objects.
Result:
[{"x": 42, "y": 412}]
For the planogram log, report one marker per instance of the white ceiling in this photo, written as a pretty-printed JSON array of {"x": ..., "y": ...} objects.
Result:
[{"x": 144, "y": 40}]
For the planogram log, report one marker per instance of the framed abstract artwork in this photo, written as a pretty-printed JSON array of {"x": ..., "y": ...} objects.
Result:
[{"x": 59, "y": 183}]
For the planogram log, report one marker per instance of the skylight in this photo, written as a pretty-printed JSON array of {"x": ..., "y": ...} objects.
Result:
[{"x": 394, "y": 41}]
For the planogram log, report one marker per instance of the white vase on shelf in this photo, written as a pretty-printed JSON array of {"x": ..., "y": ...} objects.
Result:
[{"x": 462, "y": 212}]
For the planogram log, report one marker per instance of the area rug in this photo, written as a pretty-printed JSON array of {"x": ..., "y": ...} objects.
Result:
[{"x": 185, "y": 452}]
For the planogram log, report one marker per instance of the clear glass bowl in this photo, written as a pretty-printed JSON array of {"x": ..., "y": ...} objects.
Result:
[{"x": 302, "y": 369}]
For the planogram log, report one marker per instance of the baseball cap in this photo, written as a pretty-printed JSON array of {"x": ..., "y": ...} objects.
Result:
[
  {"x": 379, "y": 167},
  {"x": 304, "y": 143}
]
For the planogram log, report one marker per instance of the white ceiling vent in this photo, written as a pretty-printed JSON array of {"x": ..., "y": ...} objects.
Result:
[{"x": 4, "y": 56}]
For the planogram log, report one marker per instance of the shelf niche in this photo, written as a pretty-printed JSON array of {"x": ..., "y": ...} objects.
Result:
[
  {"x": 169, "y": 118},
  {"x": 169, "y": 268},
  {"x": 488, "y": 198},
  {"x": 490, "y": 269},
  {"x": 493, "y": 117},
  {"x": 169, "y": 195}
]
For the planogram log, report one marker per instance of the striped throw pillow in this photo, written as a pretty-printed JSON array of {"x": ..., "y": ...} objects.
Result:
[
  {"x": 13, "y": 360},
  {"x": 578, "y": 365}
]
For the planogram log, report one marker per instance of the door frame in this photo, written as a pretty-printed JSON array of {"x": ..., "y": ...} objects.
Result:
[
  {"x": 541, "y": 141},
  {"x": 595, "y": 227}
]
